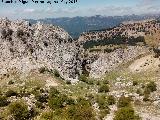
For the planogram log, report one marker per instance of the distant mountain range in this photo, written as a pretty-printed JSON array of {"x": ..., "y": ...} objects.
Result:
[{"x": 76, "y": 25}]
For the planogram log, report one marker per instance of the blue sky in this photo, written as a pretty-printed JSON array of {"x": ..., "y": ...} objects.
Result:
[{"x": 81, "y": 8}]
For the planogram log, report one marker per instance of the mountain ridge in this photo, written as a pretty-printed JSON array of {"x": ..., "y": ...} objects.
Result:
[{"x": 76, "y": 25}]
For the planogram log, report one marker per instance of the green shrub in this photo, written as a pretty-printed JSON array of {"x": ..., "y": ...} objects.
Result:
[
  {"x": 3, "y": 101},
  {"x": 41, "y": 98},
  {"x": 146, "y": 91},
  {"x": 70, "y": 101},
  {"x": 94, "y": 50},
  {"x": 90, "y": 82},
  {"x": 10, "y": 93},
  {"x": 1, "y": 93},
  {"x": 68, "y": 82},
  {"x": 42, "y": 70},
  {"x": 135, "y": 83},
  {"x": 103, "y": 113},
  {"x": 151, "y": 86},
  {"x": 85, "y": 72},
  {"x": 73, "y": 112},
  {"x": 4, "y": 33},
  {"x": 146, "y": 97},
  {"x": 126, "y": 113},
  {"x": 19, "y": 111},
  {"x": 39, "y": 105},
  {"x": 82, "y": 110},
  {"x": 111, "y": 100},
  {"x": 137, "y": 102},
  {"x": 102, "y": 102},
  {"x": 56, "y": 73},
  {"x": 90, "y": 97},
  {"x": 124, "y": 102},
  {"x": 83, "y": 78},
  {"x": 105, "y": 82},
  {"x": 53, "y": 92},
  {"x": 139, "y": 91},
  {"x": 98, "y": 83},
  {"x": 20, "y": 33},
  {"x": 58, "y": 101},
  {"x": 83, "y": 102},
  {"x": 47, "y": 115},
  {"x": 143, "y": 86},
  {"x": 10, "y": 82},
  {"x": 103, "y": 88},
  {"x": 10, "y": 32}
]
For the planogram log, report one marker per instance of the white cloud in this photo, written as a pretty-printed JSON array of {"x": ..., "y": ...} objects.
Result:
[{"x": 28, "y": 10}]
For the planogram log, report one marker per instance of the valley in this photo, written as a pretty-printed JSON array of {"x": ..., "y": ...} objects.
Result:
[{"x": 113, "y": 74}]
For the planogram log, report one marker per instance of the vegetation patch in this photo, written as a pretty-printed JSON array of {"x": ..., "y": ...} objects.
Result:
[
  {"x": 126, "y": 113},
  {"x": 19, "y": 110}
]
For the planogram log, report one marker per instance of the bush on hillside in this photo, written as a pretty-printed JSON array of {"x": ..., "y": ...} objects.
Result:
[
  {"x": 126, "y": 113},
  {"x": 83, "y": 78},
  {"x": 19, "y": 111},
  {"x": 105, "y": 82},
  {"x": 82, "y": 110},
  {"x": 3, "y": 101},
  {"x": 135, "y": 83},
  {"x": 103, "y": 88},
  {"x": 42, "y": 70},
  {"x": 20, "y": 33},
  {"x": 10, "y": 93},
  {"x": 111, "y": 100},
  {"x": 151, "y": 86},
  {"x": 124, "y": 102},
  {"x": 102, "y": 102},
  {"x": 56, "y": 73}
]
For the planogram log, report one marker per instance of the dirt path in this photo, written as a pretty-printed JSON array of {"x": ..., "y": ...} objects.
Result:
[
  {"x": 50, "y": 82},
  {"x": 145, "y": 63}
]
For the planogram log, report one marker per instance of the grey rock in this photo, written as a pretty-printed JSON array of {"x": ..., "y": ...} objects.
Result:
[{"x": 24, "y": 48}]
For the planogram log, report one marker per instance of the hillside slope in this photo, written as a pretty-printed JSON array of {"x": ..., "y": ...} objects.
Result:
[{"x": 120, "y": 44}]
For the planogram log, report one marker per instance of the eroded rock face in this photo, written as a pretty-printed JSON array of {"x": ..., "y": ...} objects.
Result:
[
  {"x": 108, "y": 62},
  {"x": 24, "y": 47}
]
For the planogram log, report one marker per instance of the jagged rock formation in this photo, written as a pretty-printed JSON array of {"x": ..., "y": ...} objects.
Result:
[{"x": 24, "y": 47}]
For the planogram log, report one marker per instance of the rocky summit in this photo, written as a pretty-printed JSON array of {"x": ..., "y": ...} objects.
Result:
[{"x": 25, "y": 47}]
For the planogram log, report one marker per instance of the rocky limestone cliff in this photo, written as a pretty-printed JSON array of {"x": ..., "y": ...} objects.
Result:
[{"x": 24, "y": 48}]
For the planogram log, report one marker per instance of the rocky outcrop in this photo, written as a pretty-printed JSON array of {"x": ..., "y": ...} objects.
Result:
[
  {"x": 24, "y": 47},
  {"x": 108, "y": 62}
]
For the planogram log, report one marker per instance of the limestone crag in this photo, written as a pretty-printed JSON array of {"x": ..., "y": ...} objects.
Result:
[{"x": 24, "y": 47}]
